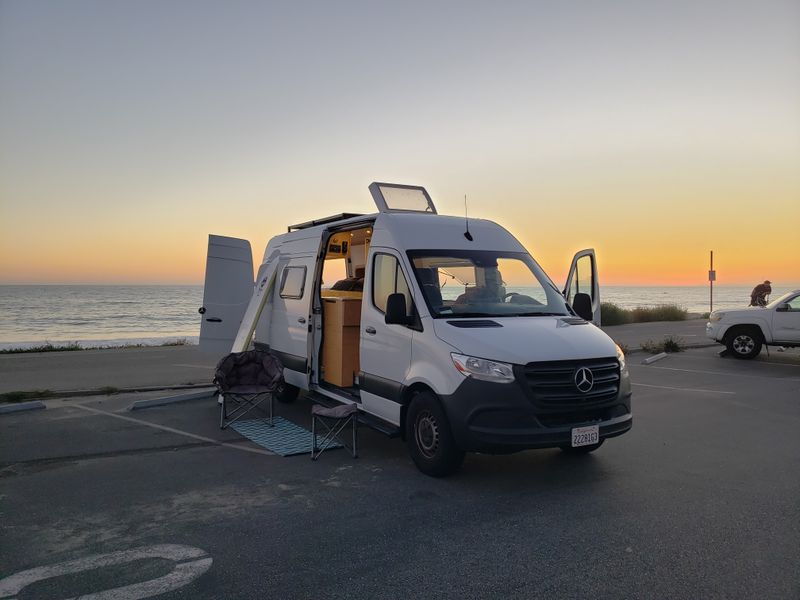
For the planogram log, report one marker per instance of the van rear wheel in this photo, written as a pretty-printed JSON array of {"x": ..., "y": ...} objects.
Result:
[{"x": 430, "y": 441}]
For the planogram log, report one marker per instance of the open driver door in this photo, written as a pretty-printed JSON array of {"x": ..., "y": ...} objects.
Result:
[{"x": 582, "y": 289}]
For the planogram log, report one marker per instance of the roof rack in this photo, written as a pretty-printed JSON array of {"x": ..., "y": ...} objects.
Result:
[{"x": 323, "y": 221}]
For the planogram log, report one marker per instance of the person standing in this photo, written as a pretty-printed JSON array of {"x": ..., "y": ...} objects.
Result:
[{"x": 758, "y": 297}]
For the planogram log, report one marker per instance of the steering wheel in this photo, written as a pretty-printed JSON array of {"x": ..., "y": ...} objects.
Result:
[{"x": 509, "y": 295}]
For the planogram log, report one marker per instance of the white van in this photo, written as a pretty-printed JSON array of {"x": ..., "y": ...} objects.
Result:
[{"x": 444, "y": 331}]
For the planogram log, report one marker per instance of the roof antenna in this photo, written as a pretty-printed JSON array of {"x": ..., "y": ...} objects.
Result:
[{"x": 467, "y": 234}]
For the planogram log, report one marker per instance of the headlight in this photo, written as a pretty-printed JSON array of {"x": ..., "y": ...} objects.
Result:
[
  {"x": 485, "y": 370},
  {"x": 716, "y": 316},
  {"x": 620, "y": 357}
]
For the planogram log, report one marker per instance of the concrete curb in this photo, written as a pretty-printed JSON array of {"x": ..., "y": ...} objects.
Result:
[
  {"x": 62, "y": 394},
  {"x": 685, "y": 347},
  {"x": 21, "y": 406},
  {"x": 652, "y": 359},
  {"x": 142, "y": 404}
]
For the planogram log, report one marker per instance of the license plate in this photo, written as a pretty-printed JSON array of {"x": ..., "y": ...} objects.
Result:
[{"x": 585, "y": 436}]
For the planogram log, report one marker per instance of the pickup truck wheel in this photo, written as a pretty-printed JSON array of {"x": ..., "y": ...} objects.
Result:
[
  {"x": 286, "y": 392},
  {"x": 744, "y": 342},
  {"x": 430, "y": 441}
]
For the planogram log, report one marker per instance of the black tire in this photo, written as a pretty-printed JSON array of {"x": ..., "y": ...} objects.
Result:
[
  {"x": 744, "y": 342},
  {"x": 581, "y": 449},
  {"x": 286, "y": 392},
  {"x": 430, "y": 441}
]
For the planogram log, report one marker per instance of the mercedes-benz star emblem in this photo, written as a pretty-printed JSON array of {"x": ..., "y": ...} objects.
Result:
[{"x": 584, "y": 380}]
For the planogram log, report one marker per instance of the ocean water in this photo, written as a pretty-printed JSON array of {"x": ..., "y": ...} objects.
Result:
[
  {"x": 115, "y": 315},
  {"x": 103, "y": 315}
]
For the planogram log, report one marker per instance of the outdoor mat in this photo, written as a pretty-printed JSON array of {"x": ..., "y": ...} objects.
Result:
[{"x": 284, "y": 437}]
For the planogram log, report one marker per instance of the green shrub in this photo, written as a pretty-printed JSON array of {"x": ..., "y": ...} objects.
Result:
[
  {"x": 663, "y": 312},
  {"x": 673, "y": 344},
  {"x": 611, "y": 314},
  {"x": 668, "y": 344},
  {"x": 46, "y": 347},
  {"x": 19, "y": 396}
]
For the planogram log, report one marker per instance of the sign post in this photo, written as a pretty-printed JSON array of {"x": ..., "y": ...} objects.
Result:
[{"x": 712, "y": 276}]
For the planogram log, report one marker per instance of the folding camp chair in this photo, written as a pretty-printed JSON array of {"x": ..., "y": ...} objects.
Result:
[
  {"x": 245, "y": 380},
  {"x": 334, "y": 420}
]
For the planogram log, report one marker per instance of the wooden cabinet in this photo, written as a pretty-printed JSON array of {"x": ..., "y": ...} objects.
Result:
[{"x": 340, "y": 340}]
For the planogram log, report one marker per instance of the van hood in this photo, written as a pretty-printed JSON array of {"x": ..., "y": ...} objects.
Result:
[{"x": 521, "y": 340}]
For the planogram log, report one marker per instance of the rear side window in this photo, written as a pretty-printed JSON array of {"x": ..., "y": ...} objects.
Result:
[
  {"x": 293, "y": 282},
  {"x": 388, "y": 278}
]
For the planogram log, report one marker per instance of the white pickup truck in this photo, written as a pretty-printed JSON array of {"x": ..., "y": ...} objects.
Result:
[{"x": 745, "y": 330}]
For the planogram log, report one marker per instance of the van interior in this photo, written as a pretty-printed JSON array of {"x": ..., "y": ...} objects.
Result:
[{"x": 341, "y": 293}]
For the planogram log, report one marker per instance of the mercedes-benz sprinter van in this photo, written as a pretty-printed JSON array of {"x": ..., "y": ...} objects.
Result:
[{"x": 443, "y": 330}]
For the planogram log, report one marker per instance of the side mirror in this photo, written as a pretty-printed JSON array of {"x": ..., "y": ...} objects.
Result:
[
  {"x": 783, "y": 307},
  {"x": 582, "y": 304},
  {"x": 396, "y": 311}
]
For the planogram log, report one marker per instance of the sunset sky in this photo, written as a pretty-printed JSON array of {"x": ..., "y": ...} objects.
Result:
[{"x": 651, "y": 131}]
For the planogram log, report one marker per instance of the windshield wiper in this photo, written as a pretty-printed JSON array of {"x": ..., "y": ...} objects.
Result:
[
  {"x": 539, "y": 314},
  {"x": 466, "y": 314}
]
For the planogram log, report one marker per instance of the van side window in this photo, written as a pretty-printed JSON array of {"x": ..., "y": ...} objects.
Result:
[
  {"x": 293, "y": 282},
  {"x": 388, "y": 278}
]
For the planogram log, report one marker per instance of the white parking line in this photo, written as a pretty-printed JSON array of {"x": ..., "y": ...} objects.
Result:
[
  {"x": 666, "y": 387},
  {"x": 182, "y": 573},
  {"x": 175, "y": 431},
  {"x": 771, "y": 378}
]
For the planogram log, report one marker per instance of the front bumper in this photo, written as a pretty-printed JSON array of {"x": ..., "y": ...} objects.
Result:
[
  {"x": 716, "y": 331},
  {"x": 501, "y": 417}
]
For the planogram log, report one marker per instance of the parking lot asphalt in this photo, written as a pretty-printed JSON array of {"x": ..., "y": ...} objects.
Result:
[
  {"x": 114, "y": 367},
  {"x": 700, "y": 499}
]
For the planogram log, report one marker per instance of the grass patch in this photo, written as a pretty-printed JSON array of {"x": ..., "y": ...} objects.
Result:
[
  {"x": 24, "y": 396},
  {"x": 46, "y": 347},
  {"x": 72, "y": 346},
  {"x": 611, "y": 314},
  {"x": 664, "y": 312},
  {"x": 668, "y": 344}
]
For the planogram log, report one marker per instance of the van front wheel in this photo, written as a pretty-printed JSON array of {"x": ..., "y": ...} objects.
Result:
[{"x": 430, "y": 441}]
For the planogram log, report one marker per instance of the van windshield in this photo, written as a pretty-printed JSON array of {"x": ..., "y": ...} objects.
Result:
[{"x": 483, "y": 283}]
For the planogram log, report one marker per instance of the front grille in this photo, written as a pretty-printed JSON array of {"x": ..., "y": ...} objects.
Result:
[{"x": 552, "y": 384}]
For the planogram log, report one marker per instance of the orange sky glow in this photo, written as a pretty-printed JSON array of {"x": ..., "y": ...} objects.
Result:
[{"x": 655, "y": 138}]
